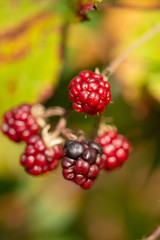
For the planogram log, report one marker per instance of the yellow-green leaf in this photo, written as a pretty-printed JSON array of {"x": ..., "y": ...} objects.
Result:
[{"x": 30, "y": 58}]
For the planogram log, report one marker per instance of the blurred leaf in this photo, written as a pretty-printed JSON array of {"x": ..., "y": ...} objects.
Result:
[
  {"x": 53, "y": 201},
  {"x": 14, "y": 12},
  {"x": 142, "y": 68},
  {"x": 30, "y": 57},
  {"x": 9, "y": 164},
  {"x": 7, "y": 185}
]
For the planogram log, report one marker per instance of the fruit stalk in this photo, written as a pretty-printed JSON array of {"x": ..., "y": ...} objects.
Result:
[
  {"x": 109, "y": 70},
  {"x": 154, "y": 235}
]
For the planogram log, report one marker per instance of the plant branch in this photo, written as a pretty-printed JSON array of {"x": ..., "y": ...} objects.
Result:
[
  {"x": 52, "y": 138},
  {"x": 94, "y": 131},
  {"x": 53, "y": 111},
  {"x": 107, "y": 6},
  {"x": 154, "y": 235},
  {"x": 69, "y": 134},
  {"x": 62, "y": 122},
  {"x": 139, "y": 42}
]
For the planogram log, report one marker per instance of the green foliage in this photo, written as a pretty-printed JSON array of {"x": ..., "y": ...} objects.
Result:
[
  {"x": 29, "y": 54},
  {"x": 143, "y": 72}
]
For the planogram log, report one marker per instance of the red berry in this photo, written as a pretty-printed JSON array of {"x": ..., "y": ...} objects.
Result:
[
  {"x": 19, "y": 124},
  {"x": 89, "y": 93},
  {"x": 37, "y": 158},
  {"x": 81, "y": 162},
  {"x": 115, "y": 149},
  {"x": 87, "y": 184}
]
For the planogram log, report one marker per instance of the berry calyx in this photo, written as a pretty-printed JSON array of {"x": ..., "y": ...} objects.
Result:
[
  {"x": 82, "y": 162},
  {"x": 38, "y": 158},
  {"x": 19, "y": 124},
  {"x": 89, "y": 93},
  {"x": 116, "y": 149}
]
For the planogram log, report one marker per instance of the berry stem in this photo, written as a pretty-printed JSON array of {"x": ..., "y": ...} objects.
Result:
[
  {"x": 93, "y": 132},
  {"x": 53, "y": 111},
  {"x": 39, "y": 112},
  {"x": 62, "y": 121},
  {"x": 52, "y": 138},
  {"x": 68, "y": 133},
  {"x": 154, "y": 235},
  {"x": 140, "y": 41},
  {"x": 108, "y": 6},
  {"x": 68, "y": 111}
]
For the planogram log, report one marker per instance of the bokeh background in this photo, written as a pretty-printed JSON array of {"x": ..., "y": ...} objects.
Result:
[{"x": 43, "y": 45}]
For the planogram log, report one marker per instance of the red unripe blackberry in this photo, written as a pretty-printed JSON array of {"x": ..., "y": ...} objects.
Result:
[
  {"x": 19, "y": 124},
  {"x": 116, "y": 149},
  {"x": 89, "y": 93},
  {"x": 82, "y": 162},
  {"x": 38, "y": 158}
]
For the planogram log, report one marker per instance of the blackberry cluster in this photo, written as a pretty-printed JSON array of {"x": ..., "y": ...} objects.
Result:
[
  {"x": 19, "y": 124},
  {"x": 116, "y": 149},
  {"x": 89, "y": 93},
  {"x": 37, "y": 158},
  {"x": 82, "y": 162}
]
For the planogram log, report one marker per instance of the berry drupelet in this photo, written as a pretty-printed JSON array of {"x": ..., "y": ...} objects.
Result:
[
  {"x": 89, "y": 93},
  {"x": 19, "y": 124},
  {"x": 38, "y": 158},
  {"x": 116, "y": 149},
  {"x": 82, "y": 162}
]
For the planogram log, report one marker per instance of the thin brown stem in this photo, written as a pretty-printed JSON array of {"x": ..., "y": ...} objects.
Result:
[
  {"x": 108, "y": 6},
  {"x": 139, "y": 42},
  {"x": 61, "y": 125},
  {"x": 94, "y": 131},
  {"x": 54, "y": 111},
  {"x": 154, "y": 235},
  {"x": 68, "y": 111},
  {"x": 62, "y": 121},
  {"x": 69, "y": 134},
  {"x": 53, "y": 137}
]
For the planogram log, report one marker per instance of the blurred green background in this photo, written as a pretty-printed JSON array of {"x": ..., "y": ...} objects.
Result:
[{"x": 43, "y": 45}]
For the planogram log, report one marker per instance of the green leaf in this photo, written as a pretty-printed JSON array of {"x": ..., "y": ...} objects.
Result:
[
  {"x": 142, "y": 68},
  {"x": 30, "y": 58}
]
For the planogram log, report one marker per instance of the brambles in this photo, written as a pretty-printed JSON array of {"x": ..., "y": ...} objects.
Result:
[
  {"x": 82, "y": 159},
  {"x": 89, "y": 93},
  {"x": 81, "y": 162},
  {"x": 19, "y": 124},
  {"x": 116, "y": 149}
]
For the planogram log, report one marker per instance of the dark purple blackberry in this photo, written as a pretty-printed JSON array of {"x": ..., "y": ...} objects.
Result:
[
  {"x": 75, "y": 149},
  {"x": 82, "y": 162}
]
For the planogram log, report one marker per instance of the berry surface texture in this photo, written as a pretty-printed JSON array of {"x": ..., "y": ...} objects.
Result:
[
  {"x": 82, "y": 162},
  {"x": 89, "y": 93},
  {"x": 19, "y": 124},
  {"x": 38, "y": 158},
  {"x": 116, "y": 149}
]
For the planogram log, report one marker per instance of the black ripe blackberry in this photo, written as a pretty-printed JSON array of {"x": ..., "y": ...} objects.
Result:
[{"x": 82, "y": 162}]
